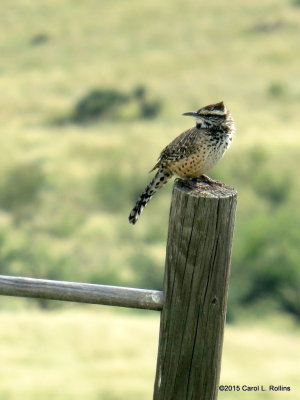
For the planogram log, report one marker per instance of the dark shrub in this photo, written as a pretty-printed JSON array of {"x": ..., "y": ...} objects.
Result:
[{"x": 98, "y": 103}]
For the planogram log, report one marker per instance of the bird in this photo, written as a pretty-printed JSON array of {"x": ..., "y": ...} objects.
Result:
[{"x": 191, "y": 154}]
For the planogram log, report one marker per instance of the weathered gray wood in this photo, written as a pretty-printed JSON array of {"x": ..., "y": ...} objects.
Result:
[
  {"x": 195, "y": 286},
  {"x": 81, "y": 292}
]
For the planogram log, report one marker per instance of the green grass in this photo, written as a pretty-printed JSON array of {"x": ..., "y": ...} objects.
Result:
[
  {"x": 100, "y": 354},
  {"x": 66, "y": 191}
]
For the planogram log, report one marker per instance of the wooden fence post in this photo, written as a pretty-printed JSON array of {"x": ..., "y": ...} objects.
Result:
[{"x": 195, "y": 286}]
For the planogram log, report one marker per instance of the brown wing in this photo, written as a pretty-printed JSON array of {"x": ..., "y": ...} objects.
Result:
[{"x": 181, "y": 147}]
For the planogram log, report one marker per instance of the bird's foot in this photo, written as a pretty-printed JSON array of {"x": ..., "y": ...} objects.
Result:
[
  {"x": 207, "y": 179},
  {"x": 203, "y": 181},
  {"x": 196, "y": 183}
]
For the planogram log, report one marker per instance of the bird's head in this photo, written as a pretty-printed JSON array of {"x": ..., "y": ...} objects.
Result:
[{"x": 211, "y": 115}]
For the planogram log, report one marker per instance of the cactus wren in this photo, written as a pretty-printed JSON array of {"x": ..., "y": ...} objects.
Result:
[{"x": 192, "y": 153}]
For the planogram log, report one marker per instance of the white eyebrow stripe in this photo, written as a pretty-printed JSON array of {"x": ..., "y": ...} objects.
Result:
[{"x": 213, "y": 112}]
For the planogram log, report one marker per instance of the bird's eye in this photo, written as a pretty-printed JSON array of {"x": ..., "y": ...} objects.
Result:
[{"x": 198, "y": 125}]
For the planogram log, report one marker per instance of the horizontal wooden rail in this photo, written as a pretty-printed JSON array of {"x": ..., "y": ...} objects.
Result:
[{"x": 81, "y": 292}]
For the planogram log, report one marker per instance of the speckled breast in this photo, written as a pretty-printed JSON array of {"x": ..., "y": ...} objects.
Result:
[{"x": 200, "y": 162}]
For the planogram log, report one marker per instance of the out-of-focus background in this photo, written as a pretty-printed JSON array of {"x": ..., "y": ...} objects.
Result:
[{"x": 91, "y": 91}]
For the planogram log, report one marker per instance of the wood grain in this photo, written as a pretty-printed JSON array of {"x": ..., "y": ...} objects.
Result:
[
  {"x": 195, "y": 286},
  {"x": 81, "y": 292}
]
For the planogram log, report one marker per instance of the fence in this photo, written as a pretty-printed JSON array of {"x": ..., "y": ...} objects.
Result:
[{"x": 193, "y": 302}]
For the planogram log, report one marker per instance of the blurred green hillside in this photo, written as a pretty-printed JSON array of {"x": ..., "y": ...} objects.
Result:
[{"x": 66, "y": 189}]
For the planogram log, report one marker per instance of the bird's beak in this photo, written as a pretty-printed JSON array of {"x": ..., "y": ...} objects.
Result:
[{"x": 191, "y": 114}]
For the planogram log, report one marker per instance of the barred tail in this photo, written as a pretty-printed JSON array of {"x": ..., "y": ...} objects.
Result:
[{"x": 162, "y": 176}]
